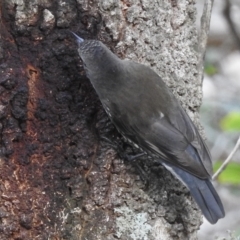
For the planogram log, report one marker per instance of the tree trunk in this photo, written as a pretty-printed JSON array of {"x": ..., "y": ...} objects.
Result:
[{"x": 59, "y": 178}]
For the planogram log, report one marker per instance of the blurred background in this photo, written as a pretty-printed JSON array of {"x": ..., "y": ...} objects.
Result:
[{"x": 220, "y": 112}]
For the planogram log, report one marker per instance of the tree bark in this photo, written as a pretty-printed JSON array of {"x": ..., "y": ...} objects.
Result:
[{"x": 59, "y": 178}]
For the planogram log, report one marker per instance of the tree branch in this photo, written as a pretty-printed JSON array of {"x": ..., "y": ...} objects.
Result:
[
  {"x": 227, "y": 14},
  {"x": 224, "y": 165},
  {"x": 203, "y": 35}
]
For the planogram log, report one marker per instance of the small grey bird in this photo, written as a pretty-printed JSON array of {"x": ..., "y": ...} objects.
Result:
[{"x": 145, "y": 112}]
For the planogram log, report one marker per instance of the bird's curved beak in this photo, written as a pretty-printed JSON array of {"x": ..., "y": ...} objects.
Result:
[{"x": 80, "y": 40}]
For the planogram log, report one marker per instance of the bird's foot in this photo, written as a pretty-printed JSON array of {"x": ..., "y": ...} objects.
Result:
[{"x": 128, "y": 157}]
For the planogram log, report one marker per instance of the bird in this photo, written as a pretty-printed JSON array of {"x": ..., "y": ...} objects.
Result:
[{"x": 148, "y": 115}]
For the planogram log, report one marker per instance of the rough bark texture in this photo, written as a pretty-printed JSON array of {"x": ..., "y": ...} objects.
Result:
[{"x": 59, "y": 180}]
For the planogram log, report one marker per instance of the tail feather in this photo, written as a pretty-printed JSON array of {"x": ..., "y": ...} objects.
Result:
[{"x": 203, "y": 193}]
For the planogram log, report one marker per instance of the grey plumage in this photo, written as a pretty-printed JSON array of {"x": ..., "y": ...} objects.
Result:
[{"x": 145, "y": 111}]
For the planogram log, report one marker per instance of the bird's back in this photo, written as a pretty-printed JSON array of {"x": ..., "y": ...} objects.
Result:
[{"x": 144, "y": 109}]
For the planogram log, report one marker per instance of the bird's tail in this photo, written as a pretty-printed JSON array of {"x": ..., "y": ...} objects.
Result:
[{"x": 203, "y": 193}]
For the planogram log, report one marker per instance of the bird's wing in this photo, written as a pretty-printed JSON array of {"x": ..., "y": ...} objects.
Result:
[
  {"x": 170, "y": 142},
  {"x": 150, "y": 116},
  {"x": 184, "y": 125}
]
